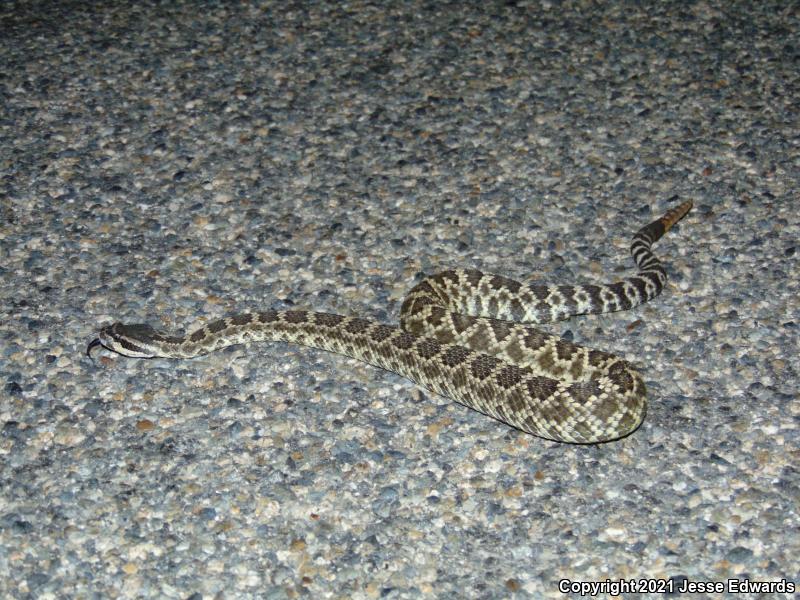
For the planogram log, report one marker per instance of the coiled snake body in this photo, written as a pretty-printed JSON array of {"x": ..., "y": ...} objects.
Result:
[{"x": 461, "y": 336}]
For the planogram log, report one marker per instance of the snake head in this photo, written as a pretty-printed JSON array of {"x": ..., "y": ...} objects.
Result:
[{"x": 128, "y": 340}]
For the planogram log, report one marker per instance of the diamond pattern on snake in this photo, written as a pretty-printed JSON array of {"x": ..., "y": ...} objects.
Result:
[{"x": 466, "y": 335}]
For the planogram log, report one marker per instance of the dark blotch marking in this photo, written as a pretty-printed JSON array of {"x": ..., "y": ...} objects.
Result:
[
  {"x": 437, "y": 316},
  {"x": 242, "y": 319},
  {"x": 461, "y": 322},
  {"x": 534, "y": 339},
  {"x": 540, "y": 292},
  {"x": 295, "y": 316},
  {"x": 420, "y": 295},
  {"x": 483, "y": 365},
  {"x": 328, "y": 319},
  {"x": 215, "y": 327},
  {"x": 576, "y": 369},
  {"x": 509, "y": 376},
  {"x": 597, "y": 358},
  {"x": 546, "y": 360},
  {"x": 501, "y": 329},
  {"x": 357, "y": 326},
  {"x": 498, "y": 281},
  {"x": 382, "y": 332},
  {"x": 423, "y": 286},
  {"x": 198, "y": 335},
  {"x": 568, "y": 292},
  {"x": 404, "y": 341},
  {"x": 517, "y": 309},
  {"x": 582, "y": 391},
  {"x": 445, "y": 276},
  {"x": 564, "y": 349},
  {"x": 473, "y": 276},
  {"x": 455, "y": 356},
  {"x": 427, "y": 348},
  {"x": 541, "y": 387},
  {"x": 268, "y": 316},
  {"x": 413, "y": 305},
  {"x": 621, "y": 375}
]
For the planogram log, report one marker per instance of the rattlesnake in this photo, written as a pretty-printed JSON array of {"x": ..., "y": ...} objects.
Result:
[{"x": 461, "y": 336}]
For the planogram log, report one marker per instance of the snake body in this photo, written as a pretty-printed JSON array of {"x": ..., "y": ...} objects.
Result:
[{"x": 462, "y": 335}]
